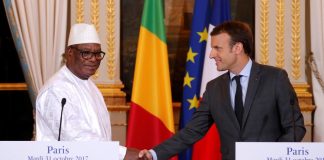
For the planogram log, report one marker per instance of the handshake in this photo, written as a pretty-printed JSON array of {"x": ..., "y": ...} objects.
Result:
[{"x": 135, "y": 154}]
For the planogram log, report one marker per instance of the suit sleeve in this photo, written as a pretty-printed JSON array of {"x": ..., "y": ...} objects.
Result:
[
  {"x": 193, "y": 131},
  {"x": 291, "y": 118}
]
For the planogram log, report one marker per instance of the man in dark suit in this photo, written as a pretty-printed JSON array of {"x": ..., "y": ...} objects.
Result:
[{"x": 249, "y": 103}]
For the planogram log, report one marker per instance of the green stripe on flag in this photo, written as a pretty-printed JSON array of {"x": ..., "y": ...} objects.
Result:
[{"x": 152, "y": 18}]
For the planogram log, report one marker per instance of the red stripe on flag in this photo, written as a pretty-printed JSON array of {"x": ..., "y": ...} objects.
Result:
[
  {"x": 145, "y": 130},
  {"x": 208, "y": 148}
]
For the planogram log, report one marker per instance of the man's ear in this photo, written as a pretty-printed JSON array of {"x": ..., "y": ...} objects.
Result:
[
  {"x": 238, "y": 48},
  {"x": 68, "y": 51}
]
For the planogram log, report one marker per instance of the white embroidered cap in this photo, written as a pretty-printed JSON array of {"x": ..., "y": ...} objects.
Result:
[{"x": 83, "y": 33}]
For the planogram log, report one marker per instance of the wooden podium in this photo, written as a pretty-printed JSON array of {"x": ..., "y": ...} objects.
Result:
[
  {"x": 58, "y": 150},
  {"x": 279, "y": 151}
]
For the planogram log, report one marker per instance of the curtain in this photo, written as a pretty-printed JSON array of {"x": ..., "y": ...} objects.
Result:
[
  {"x": 39, "y": 31},
  {"x": 317, "y": 65}
]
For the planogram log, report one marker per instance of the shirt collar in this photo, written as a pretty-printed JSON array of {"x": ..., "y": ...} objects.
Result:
[{"x": 245, "y": 71}]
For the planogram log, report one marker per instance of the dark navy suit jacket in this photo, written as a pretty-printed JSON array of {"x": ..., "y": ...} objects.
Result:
[{"x": 269, "y": 107}]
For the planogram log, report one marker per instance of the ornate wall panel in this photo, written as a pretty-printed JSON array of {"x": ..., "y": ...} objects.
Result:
[
  {"x": 105, "y": 15},
  {"x": 280, "y": 41}
]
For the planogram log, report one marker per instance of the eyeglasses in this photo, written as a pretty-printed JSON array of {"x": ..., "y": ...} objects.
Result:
[{"x": 88, "y": 54}]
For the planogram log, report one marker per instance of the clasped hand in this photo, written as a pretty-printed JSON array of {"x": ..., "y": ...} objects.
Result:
[{"x": 135, "y": 154}]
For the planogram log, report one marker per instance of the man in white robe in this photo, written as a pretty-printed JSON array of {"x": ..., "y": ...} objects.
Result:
[{"x": 84, "y": 115}]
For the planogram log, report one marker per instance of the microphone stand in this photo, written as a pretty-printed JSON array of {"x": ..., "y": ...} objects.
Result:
[
  {"x": 292, "y": 102},
  {"x": 62, "y": 103}
]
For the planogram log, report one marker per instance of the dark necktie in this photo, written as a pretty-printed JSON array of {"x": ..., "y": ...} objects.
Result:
[{"x": 238, "y": 100}]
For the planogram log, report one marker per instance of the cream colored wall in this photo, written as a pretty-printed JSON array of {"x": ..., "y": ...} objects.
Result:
[
  {"x": 105, "y": 15},
  {"x": 280, "y": 40},
  {"x": 118, "y": 119}
]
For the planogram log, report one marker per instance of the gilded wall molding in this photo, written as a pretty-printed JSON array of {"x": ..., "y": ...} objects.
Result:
[
  {"x": 13, "y": 87},
  {"x": 304, "y": 96},
  {"x": 79, "y": 11},
  {"x": 105, "y": 15},
  {"x": 264, "y": 31},
  {"x": 95, "y": 21},
  {"x": 280, "y": 19},
  {"x": 118, "y": 108},
  {"x": 295, "y": 40},
  {"x": 95, "y": 13},
  {"x": 111, "y": 90},
  {"x": 110, "y": 22},
  {"x": 302, "y": 90}
]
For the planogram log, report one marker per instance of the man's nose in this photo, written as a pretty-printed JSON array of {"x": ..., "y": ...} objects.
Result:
[{"x": 212, "y": 54}]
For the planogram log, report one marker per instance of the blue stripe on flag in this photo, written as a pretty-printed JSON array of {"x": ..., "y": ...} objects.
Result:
[
  {"x": 200, "y": 22},
  {"x": 203, "y": 16}
]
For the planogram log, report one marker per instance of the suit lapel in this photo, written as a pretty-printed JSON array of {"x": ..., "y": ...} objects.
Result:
[
  {"x": 254, "y": 81},
  {"x": 227, "y": 98}
]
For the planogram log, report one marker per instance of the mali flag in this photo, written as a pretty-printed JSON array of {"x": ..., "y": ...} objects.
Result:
[{"x": 151, "y": 116}]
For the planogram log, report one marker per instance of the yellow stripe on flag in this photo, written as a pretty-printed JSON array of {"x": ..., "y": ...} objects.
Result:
[{"x": 151, "y": 87}]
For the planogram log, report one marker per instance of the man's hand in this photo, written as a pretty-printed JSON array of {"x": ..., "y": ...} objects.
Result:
[
  {"x": 145, "y": 155},
  {"x": 132, "y": 154}
]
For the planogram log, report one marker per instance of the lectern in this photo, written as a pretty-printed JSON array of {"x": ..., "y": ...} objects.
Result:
[
  {"x": 279, "y": 151},
  {"x": 58, "y": 150}
]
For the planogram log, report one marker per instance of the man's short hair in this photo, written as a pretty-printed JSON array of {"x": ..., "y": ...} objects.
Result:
[{"x": 238, "y": 32}]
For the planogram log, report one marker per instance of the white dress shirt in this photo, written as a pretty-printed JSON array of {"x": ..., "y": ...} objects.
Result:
[
  {"x": 85, "y": 116},
  {"x": 245, "y": 73}
]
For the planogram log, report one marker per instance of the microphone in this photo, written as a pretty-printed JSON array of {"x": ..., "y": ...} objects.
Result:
[
  {"x": 62, "y": 103},
  {"x": 292, "y": 103}
]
